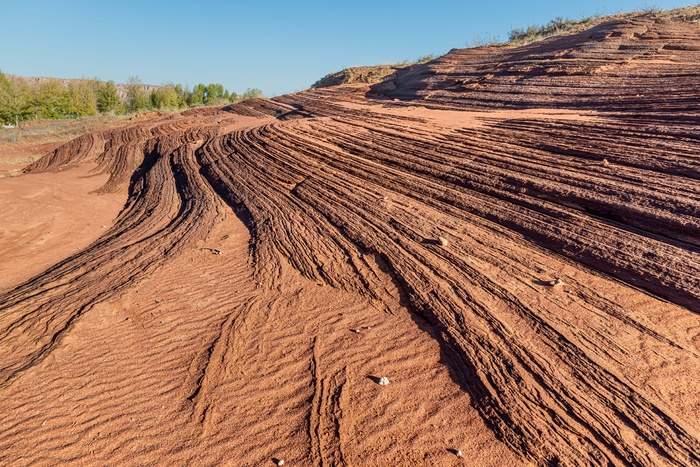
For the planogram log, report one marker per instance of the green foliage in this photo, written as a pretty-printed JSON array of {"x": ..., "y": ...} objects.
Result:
[
  {"x": 108, "y": 100},
  {"x": 136, "y": 98},
  {"x": 15, "y": 95},
  {"x": 251, "y": 94},
  {"x": 82, "y": 97},
  {"x": 165, "y": 98},
  {"x": 181, "y": 96},
  {"x": 212, "y": 94},
  {"x": 215, "y": 94},
  {"x": 51, "y": 100},
  {"x": 197, "y": 96}
]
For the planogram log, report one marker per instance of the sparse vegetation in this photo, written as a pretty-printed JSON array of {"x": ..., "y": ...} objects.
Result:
[
  {"x": 425, "y": 59},
  {"x": 555, "y": 27},
  {"x": 481, "y": 40},
  {"x": 558, "y": 26},
  {"x": 47, "y": 130},
  {"x": 517, "y": 36},
  {"x": 23, "y": 100}
]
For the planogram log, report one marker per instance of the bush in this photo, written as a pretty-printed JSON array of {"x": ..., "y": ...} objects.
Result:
[
  {"x": 52, "y": 99},
  {"x": 136, "y": 99},
  {"x": 165, "y": 98},
  {"x": 15, "y": 95},
  {"x": 82, "y": 97},
  {"x": 108, "y": 100}
]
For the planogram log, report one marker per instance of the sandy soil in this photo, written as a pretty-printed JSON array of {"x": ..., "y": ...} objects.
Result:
[
  {"x": 509, "y": 235},
  {"x": 48, "y": 217}
]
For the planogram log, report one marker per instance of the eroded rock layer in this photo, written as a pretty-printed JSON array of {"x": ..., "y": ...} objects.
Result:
[{"x": 472, "y": 182}]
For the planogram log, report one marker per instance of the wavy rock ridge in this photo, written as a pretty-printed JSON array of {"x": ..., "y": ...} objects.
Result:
[{"x": 576, "y": 158}]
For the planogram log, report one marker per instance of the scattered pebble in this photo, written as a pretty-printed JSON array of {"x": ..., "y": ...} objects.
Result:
[
  {"x": 158, "y": 301},
  {"x": 458, "y": 453},
  {"x": 279, "y": 462},
  {"x": 606, "y": 163},
  {"x": 443, "y": 241},
  {"x": 556, "y": 282},
  {"x": 383, "y": 381},
  {"x": 355, "y": 330}
]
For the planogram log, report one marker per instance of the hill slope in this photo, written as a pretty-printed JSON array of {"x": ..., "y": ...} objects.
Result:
[{"x": 416, "y": 230}]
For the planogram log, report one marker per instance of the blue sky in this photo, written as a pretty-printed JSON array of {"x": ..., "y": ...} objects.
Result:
[{"x": 276, "y": 46}]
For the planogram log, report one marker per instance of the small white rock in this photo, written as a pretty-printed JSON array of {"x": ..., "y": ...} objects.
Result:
[
  {"x": 443, "y": 241},
  {"x": 383, "y": 381},
  {"x": 556, "y": 282},
  {"x": 458, "y": 453},
  {"x": 280, "y": 462}
]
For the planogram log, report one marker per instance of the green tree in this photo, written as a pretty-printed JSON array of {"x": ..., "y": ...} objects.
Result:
[
  {"x": 15, "y": 96},
  {"x": 165, "y": 97},
  {"x": 108, "y": 99},
  {"x": 51, "y": 99},
  {"x": 181, "y": 96},
  {"x": 197, "y": 95},
  {"x": 251, "y": 94},
  {"x": 82, "y": 97},
  {"x": 136, "y": 98},
  {"x": 214, "y": 94},
  {"x": 186, "y": 96}
]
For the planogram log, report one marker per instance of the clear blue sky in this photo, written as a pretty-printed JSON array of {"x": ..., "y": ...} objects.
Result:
[{"x": 278, "y": 46}]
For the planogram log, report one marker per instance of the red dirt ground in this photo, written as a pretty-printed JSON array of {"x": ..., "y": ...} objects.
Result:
[{"x": 411, "y": 230}]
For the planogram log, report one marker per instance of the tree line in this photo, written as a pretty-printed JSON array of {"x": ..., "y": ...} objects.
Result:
[{"x": 22, "y": 100}]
